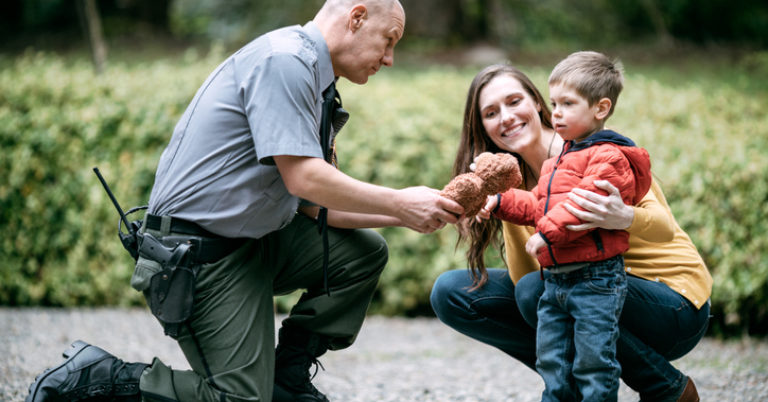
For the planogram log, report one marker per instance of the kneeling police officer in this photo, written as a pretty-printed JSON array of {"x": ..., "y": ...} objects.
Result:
[{"x": 233, "y": 220}]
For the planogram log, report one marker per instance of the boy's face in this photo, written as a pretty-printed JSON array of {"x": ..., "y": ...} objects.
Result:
[{"x": 572, "y": 115}]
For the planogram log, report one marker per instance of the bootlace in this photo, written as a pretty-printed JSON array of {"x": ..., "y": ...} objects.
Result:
[
  {"x": 306, "y": 384},
  {"x": 294, "y": 372},
  {"x": 315, "y": 362}
]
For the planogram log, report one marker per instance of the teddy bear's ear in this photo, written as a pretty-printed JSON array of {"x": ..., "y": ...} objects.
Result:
[
  {"x": 500, "y": 172},
  {"x": 486, "y": 158},
  {"x": 488, "y": 164}
]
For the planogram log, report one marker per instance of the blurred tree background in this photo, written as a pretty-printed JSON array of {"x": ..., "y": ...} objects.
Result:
[
  {"x": 697, "y": 85},
  {"x": 511, "y": 24}
]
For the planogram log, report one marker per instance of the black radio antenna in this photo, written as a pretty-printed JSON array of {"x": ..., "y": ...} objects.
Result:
[{"x": 114, "y": 200}]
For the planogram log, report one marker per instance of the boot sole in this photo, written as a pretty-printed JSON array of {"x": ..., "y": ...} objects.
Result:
[
  {"x": 69, "y": 354},
  {"x": 280, "y": 394}
]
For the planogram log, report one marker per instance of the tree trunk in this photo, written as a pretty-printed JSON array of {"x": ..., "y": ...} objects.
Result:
[
  {"x": 657, "y": 19},
  {"x": 91, "y": 22}
]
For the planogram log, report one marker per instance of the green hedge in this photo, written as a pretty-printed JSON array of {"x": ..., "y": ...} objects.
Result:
[
  {"x": 708, "y": 140},
  {"x": 58, "y": 243},
  {"x": 705, "y": 129}
]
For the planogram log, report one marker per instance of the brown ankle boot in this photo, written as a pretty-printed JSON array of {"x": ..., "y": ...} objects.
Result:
[{"x": 689, "y": 393}]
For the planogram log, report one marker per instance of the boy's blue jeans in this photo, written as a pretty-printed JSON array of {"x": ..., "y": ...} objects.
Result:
[{"x": 577, "y": 331}]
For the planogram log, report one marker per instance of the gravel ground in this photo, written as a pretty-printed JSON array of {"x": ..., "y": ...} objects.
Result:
[{"x": 394, "y": 359}]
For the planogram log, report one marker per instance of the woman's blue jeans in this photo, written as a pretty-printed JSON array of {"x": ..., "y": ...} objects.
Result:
[{"x": 657, "y": 325}]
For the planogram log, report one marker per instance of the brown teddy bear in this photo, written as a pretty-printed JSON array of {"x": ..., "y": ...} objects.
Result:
[{"x": 494, "y": 173}]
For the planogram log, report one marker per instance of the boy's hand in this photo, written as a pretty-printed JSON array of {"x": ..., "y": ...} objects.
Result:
[
  {"x": 485, "y": 211},
  {"x": 534, "y": 244}
]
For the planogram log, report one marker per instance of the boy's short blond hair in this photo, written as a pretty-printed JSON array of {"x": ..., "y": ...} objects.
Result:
[{"x": 593, "y": 75}]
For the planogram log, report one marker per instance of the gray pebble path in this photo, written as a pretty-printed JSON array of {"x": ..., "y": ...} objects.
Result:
[{"x": 394, "y": 359}]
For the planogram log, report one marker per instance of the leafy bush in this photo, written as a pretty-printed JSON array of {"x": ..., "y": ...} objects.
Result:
[
  {"x": 707, "y": 138},
  {"x": 705, "y": 130},
  {"x": 58, "y": 241}
]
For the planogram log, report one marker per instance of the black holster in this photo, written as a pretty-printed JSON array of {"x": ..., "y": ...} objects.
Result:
[{"x": 170, "y": 293}]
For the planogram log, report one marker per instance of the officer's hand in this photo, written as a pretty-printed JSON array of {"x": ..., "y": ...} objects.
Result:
[{"x": 424, "y": 210}]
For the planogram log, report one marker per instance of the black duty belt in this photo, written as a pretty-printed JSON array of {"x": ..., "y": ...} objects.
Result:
[
  {"x": 206, "y": 246},
  {"x": 154, "y": 222}
]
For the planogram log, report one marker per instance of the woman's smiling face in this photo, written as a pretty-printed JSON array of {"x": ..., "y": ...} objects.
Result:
[{"x": 509, "y": 115}]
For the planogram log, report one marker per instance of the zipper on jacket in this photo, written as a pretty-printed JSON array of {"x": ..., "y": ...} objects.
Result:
[
  {"x": 598, "y": 240},
  {"x": 551, "y": 255},
  {"x": 551, "y": 177},
  {"x": 546, "y": 208}
]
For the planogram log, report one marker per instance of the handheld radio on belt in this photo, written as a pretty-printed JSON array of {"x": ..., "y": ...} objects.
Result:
[{"x": 171, "y": 289}]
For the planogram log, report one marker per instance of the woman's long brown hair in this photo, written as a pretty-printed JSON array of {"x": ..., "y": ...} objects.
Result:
[{"x": 474, "y": 141}]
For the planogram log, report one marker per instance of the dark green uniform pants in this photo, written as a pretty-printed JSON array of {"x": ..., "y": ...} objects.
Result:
[{"x": 233, "y": 317}]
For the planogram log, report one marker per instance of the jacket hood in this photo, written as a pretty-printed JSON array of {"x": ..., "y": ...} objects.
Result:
[
  {"x": 601, "y": 136},
  {"x": 638, "y": 158}
]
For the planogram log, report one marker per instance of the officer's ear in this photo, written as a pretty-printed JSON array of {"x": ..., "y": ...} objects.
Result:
[{"x": 357, "y": 16}]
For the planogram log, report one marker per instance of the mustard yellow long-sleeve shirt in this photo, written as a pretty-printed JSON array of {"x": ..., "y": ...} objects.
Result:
[{"x": 659, "y": 250}]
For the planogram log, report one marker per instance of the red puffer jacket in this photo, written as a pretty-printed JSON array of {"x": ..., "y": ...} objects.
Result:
[{"x": 605, "y": 155}]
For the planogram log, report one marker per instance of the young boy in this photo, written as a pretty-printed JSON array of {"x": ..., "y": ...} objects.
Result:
[{"x": 584, "y": 293}]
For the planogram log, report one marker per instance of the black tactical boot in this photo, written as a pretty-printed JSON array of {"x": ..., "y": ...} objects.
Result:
[
  {"x": 88, "y": 374},
  {"x": 296, "y": 352}
]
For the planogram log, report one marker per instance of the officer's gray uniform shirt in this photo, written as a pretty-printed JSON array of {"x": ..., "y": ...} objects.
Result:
[{"x": 264, "y": 100}]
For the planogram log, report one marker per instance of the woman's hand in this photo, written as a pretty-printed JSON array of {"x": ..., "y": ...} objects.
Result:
[{"x": 601, "y": 211}]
